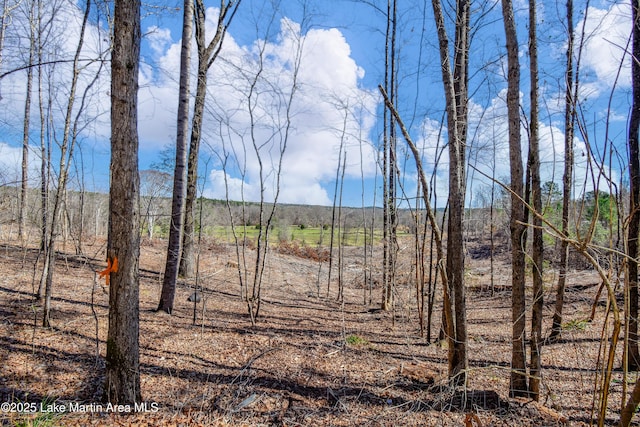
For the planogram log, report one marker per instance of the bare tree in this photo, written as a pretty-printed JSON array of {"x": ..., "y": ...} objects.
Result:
[
  {"x": 180, "y": 174},
  {"x": 262, "y": 150},
  {"x": 334, "y": 228},
  {"x": 67, "y": 146},
  {"x": 455, "y": 80},
  {"x": 207, "y": 53},
  {"x": 45, "y": 150},
  {"x": 267, "y": 110},
  {"x": 449, "y": 318},
  {"x": 31, "y": 19},
  {"x": 536, "y": 195},
  {"x": 389, "y": 163},
  {"x": 569, "y": 120},
  {"x": 5, "y": 20},
  {"x": 154, "y": 186},
  {"x": 634, "y": 195},
  {"x": 123, "y": 358},
  {"x": 518, "y": 383}
]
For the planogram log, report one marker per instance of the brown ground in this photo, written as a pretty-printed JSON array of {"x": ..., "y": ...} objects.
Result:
[{"x": 309, "y": 361}]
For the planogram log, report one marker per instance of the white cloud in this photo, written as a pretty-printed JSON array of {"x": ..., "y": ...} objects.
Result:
[
  {"x": 10, "y": 160},
  {"x": 327, "y": 109},
  {"x": 223, "y": 186},
  {"x": 158, "y": 39},
  {"x": 11, "y": 166},
  {"x": 607, "y": 36}
]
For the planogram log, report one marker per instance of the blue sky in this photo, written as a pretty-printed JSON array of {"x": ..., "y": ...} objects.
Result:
[{"x": 340, "y": 47}]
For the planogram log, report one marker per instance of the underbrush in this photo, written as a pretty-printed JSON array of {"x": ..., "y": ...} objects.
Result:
[{"x": 318, "y": 254}]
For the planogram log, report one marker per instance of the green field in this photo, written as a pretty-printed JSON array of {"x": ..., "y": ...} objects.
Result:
[{"x": 304, "y": 236}]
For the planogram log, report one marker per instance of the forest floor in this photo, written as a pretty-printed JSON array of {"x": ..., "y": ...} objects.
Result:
[{"x": 309, "y": 360}]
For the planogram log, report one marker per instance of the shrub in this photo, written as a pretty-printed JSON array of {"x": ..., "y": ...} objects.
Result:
[{"x": 318, "y": 254}]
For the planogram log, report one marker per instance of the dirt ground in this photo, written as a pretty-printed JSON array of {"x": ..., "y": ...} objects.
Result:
[{"x": 309, "y": 360}]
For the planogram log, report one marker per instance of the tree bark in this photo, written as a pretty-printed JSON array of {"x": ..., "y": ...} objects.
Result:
[
  {"x": 456, "y": 94},
  {"x": 180, "y": 175},
  {"x": 626, "y": 415},
  {"x": 518, "y": 381},
  {"x": 123, "y": 361},
  {"x": 536, "y": 193},
  {"x": 25, "y": 128},
  {"x": 66, "y": 154},
  {"x": 556, "y": 327},
  {"x": 633, "y": 357},
  {"x": 207, "y": 53}
]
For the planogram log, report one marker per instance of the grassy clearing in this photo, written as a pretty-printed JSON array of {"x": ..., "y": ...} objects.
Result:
[{"x": 303, "y": 236}]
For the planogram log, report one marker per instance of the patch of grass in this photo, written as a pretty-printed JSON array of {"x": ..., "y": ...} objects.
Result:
[
  {"x": 353, "y": 236},
  {"x": 576, "y": 325},
  {"x": 39, "y": 419},
  {"x": 356, "y": 340}
]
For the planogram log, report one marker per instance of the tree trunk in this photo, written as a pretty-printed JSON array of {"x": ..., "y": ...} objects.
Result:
[
  {"x": 180, "y": 175},
  {"x": 518, "y": 382},
  {"x": 389, "y": 163},
  {"x": 556, "y": 327},
  {"x": 536, "y": 193},
  {"x": 456, "y": 94},
  {"x": 206, "y": 56},
  {"x": 187, "y": 264},
  {"x": 25, "y": 129},
  {"x": 436, "y": 233},
  {"x": 634, "y": 196},
  {"x": 66, "y": 154},
  {"x": 5, "y": 21},
  {"x": 45, "y": 161},
  {"x": 626, "y": 415},
  {"x": 123, "y": 360}
]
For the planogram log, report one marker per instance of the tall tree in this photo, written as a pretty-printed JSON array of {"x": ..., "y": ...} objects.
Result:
[
  {"x": 390, "y": 168},
  {"x": 518, "y": 382},
  {"x": 66, "y": 147},
  {"x": 455, "y": 83},
  {"x": 634, "y": 195},
  {"x": 569, "y": 116},
  {"x": 45, "y": 149},
  {"x": 27, "y": 120},
  {"x": 5, "y": 20},
  {"x": 536, "y": 195},
  {"x": 207, "y": 53},
  {"x": 180, "y": 173},
  {"x": 123, "y": 358}
]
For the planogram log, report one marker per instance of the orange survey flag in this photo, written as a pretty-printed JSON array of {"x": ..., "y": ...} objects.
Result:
[{"x": 111, "y": 268}]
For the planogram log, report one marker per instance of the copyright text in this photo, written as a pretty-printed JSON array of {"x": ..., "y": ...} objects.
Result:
[{"x": 62, "y": 407}]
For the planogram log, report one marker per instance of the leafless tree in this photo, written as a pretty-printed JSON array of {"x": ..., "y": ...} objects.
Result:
[
  {"x": 154, "y": 186},
  {"x": 66, "y": 146},
  {"x": 31, "y": 19},
  {"x": 174, "y": 248},
  {"x": 455, "y": 81},
  {"x": 518, "y": 384},
  {"x": 537, "y": 244},
  {"x": 5, "y": 21},
  {"x": 571, "y": 82},
  {"x": 267, "y": 112},
  {"x": 389, "y": 162},
  {"x": 633, "y": 229},
  {"x": 454, "y": 375},
  {"x": 123, "y": 358},
  {"x": 207, "y": 53}
]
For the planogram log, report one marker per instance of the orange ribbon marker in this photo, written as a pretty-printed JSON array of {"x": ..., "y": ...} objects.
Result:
[{"x": 111, "y": 268}]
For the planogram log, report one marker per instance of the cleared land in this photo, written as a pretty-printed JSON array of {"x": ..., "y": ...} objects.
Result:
[{"x": 310, "y": 360}]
